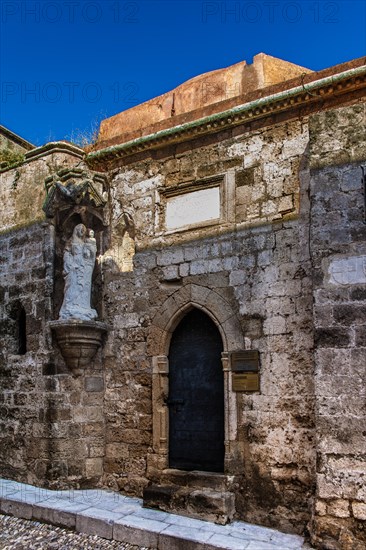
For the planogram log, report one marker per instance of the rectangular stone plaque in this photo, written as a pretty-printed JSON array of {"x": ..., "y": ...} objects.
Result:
[
  {"x": 245, "y": 382},
  {"x": 193, "y": 208},
  {"x": 245, "y": 361}
]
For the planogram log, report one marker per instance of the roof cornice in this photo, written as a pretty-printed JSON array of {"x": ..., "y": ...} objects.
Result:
[{"x": 298, "y": 96}]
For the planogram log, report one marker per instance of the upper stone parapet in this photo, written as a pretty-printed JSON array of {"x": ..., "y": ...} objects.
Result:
[{"x": 197, "y": 93}]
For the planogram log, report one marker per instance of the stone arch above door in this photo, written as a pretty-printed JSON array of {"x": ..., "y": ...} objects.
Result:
[
  {"x": 179, "y": 303},
  {"x": 163, "y": 324}
]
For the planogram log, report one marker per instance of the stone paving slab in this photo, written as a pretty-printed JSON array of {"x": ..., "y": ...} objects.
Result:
[
  {"x": 23, "y": 534},
  {"x": 116, "y": 517}
]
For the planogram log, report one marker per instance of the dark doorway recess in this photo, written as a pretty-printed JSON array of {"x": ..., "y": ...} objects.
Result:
[{"x": 196, "y": 395}]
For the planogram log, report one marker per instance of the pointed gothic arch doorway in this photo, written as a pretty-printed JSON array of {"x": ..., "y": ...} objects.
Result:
[
  {"x": 163, "y": 325},
  {"x": 196, "y": 395}
]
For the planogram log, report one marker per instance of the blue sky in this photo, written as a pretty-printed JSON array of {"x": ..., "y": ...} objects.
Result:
[{"x": 66, "y": 64}]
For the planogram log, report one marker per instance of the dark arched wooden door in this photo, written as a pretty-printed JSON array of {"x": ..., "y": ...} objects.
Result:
[{"x": 196, "y": 395}]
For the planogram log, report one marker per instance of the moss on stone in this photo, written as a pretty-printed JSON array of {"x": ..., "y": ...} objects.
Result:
[{"x": 9, "y": 159}]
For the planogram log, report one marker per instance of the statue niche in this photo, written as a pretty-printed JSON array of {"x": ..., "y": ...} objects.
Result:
[
  {"x": 77, "y": 199},
  {"x": 79, "y": 262},
  {"x": 78, "y": 334}
]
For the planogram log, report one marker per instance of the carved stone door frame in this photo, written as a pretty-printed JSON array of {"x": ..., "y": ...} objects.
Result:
[{"x": 164, "y": 323}]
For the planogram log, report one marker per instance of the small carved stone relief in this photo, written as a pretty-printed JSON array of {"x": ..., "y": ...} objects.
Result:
[
  {"x": 122, "y": 248},
  {"x": 348, "y": 271}
]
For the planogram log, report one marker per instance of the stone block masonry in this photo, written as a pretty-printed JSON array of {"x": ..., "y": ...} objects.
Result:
[
  {"x": 257, "y": 260},
  {"x": 52, "y": 425},
  {"x": 338, "y": 245}
]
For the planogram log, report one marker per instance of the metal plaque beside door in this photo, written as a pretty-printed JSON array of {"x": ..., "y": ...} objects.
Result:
[{"x": 245, "y": 370}]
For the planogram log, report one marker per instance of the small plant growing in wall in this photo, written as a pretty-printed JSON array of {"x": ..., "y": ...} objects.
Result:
[
  {"x": 9, "y": 159},
  {"x": 87, "y": 137}
]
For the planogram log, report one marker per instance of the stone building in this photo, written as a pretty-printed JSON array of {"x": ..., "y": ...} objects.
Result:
[{"x": 229, "y": 375}]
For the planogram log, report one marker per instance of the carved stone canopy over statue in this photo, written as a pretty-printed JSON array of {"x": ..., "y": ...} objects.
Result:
[
  {"x": 81, "y": 191},
  {"x": 79, "y": 261}
]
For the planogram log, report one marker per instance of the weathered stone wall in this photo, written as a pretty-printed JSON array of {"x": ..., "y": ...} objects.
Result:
[
  {"x": 257, "y": 260},
  {"x": 22, "y": 189},
  {"x": 12, "y": 142},
  {"x": 26, "y": 282},
  {"x": 338, "y": 250},
  {"x": 52, "y": 424}
]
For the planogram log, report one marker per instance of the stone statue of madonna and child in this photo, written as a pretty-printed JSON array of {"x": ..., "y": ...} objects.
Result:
[{"x": 79, "y": 262}]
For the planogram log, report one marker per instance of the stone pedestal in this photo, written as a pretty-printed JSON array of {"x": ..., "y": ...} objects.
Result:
[{"x": 78, "y": 340}]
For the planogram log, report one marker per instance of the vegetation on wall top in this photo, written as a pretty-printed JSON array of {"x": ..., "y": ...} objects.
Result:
[{"x": 9, "y": 159}]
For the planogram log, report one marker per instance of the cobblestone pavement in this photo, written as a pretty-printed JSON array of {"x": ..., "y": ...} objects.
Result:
[{"x": 19, "y": 534}]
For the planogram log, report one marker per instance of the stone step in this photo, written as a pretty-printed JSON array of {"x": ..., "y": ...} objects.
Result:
[
  {"x": 196, "y": 478},
  {"x": 200, "y": 503}
]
